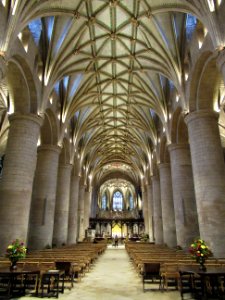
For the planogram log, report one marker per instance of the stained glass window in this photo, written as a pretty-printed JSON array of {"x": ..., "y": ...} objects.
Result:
[
  {"x": 191, "y": 23},
  {"x": 117, "y": 201}
]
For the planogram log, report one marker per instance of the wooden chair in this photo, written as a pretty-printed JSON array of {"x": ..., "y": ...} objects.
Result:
[
  {"x": 50, "y": 283},
  {"x": 66, "y": 266},
  {"x": 151, "y": 274},
  {"x": 170, "y": 275},
  {"x": 31, "y": 280},
  {"x": 189, "y": 284}
]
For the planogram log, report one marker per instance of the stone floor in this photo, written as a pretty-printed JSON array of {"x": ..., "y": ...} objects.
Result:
[{"x": 113, "y": 277}]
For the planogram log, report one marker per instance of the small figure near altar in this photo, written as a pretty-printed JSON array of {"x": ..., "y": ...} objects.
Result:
[{"x": 116, "y": 240}]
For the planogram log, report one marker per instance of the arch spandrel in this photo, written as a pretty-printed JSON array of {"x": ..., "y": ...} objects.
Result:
[
  {"x": 182, "y": 131},
  {"x": 205, "y": 83},
  {"x": 50, "y": 129},
  {"x": 18, "y": 88},
  {"x": 64, "y": 157},
  {"x": 179, "y": 131},
  {"x": 164, "y": 153}
]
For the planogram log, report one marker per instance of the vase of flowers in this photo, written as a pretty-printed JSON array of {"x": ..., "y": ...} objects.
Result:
[
  {"x": 200, "y": 252},
  {"x": 15, "y": 252}
]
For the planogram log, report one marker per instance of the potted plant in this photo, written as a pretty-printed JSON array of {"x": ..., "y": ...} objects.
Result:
[
  {"x": 200, "y": 252},
  {"x": 15, "y": 251}
]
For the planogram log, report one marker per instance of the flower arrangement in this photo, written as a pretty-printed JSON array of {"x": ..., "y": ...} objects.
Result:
[
  {"x": 200, "y": 251},
  {"x": 16, "y": 251}
]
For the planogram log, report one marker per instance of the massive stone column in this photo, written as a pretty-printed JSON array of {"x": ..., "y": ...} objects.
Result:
[
  {"x": 157, "y": 210},
  {"x": 150, "y": 211},
  {"x": 17, "y": 180},
  {"x": 145, "y": 208},
  {"x": 169, "y": 229},
  {"x": 62, "y": 205},
  {"x": 73, "y": 209},
  {"x": 81, "y": 234},
  {"x": 43, "y": 198},
  {"x": 87, "y": 207},
  {"x": 209, "y": 177},
  {"x": 94, "y": 197},
  {"x": 186, "y": 218}
]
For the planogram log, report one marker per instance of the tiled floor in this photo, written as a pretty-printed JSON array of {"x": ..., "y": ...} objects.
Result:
[{"x": 113, "y": 278}]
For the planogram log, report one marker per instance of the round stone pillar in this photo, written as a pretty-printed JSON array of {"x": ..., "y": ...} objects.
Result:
[
  {"x": 81, "y": 212},
  {"x": 62, "y": 205},
  {"x": 43, "y": 198},
  {"x": 73, "y": 210},
  {"x": 94, "y": 202},
  {"x": 150, "y": 211},
  {"x": 169, "y": 229},
  {"x": 145, "y": 208},
  {"x": 209, "y": 177},
  {"x": 186, "y": 218},
  {"x": 157, "y": 211},
  {"x": 16, "y": 183},
  {"x": 87, "y": 207}
]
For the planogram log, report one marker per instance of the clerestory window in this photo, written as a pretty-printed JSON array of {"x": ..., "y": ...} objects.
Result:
[
  {"x": 131, "y": 202},
  {"x": 104, "y": 201}
]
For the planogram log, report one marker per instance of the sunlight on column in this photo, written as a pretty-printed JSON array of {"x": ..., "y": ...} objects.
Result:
[
  {"x": 39, "y": 142},
  {"x": 216, "y": 106},
  {"x": 200, "y": 44},
  {"x": 211, "y": 5},
  {"x": 15, "y": 7}
]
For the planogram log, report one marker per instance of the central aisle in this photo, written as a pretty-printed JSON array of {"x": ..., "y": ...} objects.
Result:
[{"x": 113, "y": 277}]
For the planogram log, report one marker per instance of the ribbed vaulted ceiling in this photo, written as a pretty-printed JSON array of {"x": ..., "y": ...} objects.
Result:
[{"x": 114, "y": 65}]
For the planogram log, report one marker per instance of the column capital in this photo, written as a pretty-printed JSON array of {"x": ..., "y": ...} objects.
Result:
[
  {"x": 203, "y": 113},
  {"x": 27, "y": 117},
  {"x": 143, "y": 188},
  {"x": 66, "y": 166},
  {"x": 90, "y": 188},
  {"x": 172, "y": 147},
  {"x": 164, "y": 165},
  {"x": 83, "y": 185},
  {"x": 48, "y": 147},
  {"x": 155, "y": 177},
  {"x": 74, "y": 175},
  {"x": 149, "y": 184}
]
